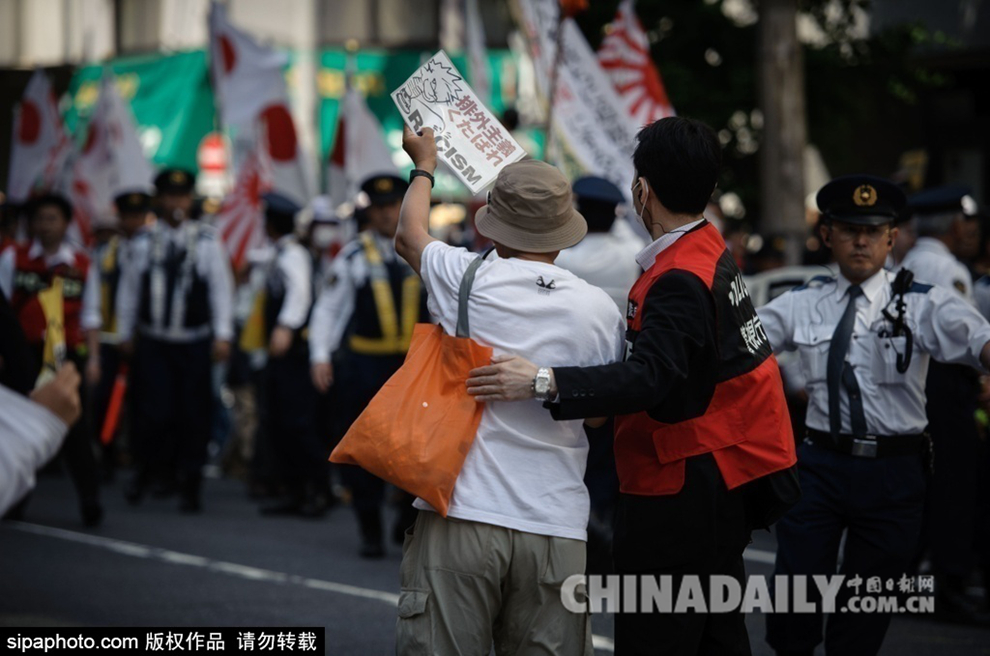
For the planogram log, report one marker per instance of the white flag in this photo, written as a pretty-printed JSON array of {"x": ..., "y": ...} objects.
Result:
[
  {"x": 359, "y": 149},
  {"x": 132, "y": 170},
  {"x": 39, "y": 146},
  {"x": 109, "y": 163},
  {"x": 253, "y": 99}
]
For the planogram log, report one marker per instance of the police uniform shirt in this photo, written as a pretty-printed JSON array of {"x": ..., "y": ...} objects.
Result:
[
  {"x": 294, "y": 266},
  {"x": 606, "y": 260},
  {"x": 65, "y": 254},
  {"x": 92, "y": 311},
  {"x": 944, "y": 326},
  {"x": 335, "y": 303},
  {"x": 981, "y": 294},
  {"x": 212, "y": 265},
  {"x": 933, "y": 263}
]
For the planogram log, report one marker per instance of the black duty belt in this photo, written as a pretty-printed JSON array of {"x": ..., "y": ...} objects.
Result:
[{"x": 869, "y": 446}]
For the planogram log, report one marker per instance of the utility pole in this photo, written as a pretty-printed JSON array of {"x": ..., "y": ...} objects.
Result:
[{"x": 785, "y": 131}]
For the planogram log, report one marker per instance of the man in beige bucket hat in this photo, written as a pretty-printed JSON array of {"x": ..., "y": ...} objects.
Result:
[
  {"x": 491, "y": 572},
  {"x": 530, "y": 209}
]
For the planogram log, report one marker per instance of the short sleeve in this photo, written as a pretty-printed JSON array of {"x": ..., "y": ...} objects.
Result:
[{"x": 442, "y": 268}]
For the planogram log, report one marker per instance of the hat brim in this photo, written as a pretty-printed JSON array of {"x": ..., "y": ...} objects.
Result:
[
  {"x": 385, "y": 199},
  {"x": 863, "y": 219},
  {"x": 530, "y": 241}
]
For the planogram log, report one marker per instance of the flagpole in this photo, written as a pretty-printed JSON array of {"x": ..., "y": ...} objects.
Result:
[
  {"x": 557, "y": 58},
  {"x": 350, "y": 66}
]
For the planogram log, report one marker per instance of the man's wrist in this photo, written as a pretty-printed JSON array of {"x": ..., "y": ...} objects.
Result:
[{"x": 429, "y": 167}]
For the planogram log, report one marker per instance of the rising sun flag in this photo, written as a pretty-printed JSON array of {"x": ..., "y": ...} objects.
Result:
[{"x": 625, "y": 56}]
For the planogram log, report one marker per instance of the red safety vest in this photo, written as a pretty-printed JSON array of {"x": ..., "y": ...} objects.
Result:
[
  {"x": 747, "y": 426},
  {"x": 31, "y": 276}
]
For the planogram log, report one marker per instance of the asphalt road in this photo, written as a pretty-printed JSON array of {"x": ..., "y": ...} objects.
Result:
[{"x": 151, "y": 566}]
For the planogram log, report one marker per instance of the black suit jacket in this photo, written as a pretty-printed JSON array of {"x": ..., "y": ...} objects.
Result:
[
  {"x": 671, "y": 373},
  {"x": 18, "y": 371}
]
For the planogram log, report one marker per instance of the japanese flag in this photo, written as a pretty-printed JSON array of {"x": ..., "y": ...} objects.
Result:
[
  {"x": 252, "y": 98},
  {"x": 359, "y": 149},
  {"x": 39, "y": 144}
]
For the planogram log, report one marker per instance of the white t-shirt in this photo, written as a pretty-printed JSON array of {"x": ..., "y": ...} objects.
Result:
[{"x": 525, "y": 471}]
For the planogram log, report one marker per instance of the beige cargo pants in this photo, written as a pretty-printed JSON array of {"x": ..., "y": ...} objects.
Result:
[{"x": 467, "y": 586}]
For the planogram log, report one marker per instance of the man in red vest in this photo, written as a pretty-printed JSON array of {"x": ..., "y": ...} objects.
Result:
[
  {"x": 699, "y": 401},
  {"x": 29, "y": 269}
]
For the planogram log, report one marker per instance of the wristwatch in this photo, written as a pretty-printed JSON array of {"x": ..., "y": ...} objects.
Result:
[
  {"x": 541, "y": 384},
  {"x": 415, "y": 173}
]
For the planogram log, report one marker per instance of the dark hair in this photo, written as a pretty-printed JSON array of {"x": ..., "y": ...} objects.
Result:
[
  {"x": 680, "y": 158},
  {"x": 600, "y": 214},
  {"x": 280, "y": 223}
]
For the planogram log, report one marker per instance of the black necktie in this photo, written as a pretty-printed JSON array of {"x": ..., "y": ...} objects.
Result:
[{"x": 840, "y": 371}]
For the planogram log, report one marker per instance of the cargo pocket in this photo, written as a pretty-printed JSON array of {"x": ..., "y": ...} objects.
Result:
[{"x": 414, "y": 630}]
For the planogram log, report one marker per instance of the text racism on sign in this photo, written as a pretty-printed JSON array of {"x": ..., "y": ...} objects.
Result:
[{"x": 470, "y": 140}]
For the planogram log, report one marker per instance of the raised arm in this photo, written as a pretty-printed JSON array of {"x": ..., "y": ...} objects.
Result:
[{"x": 413, "y": 233}]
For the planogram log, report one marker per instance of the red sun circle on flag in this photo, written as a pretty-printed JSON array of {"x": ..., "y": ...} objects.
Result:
[
  {"x": 281, "y": 133},
  {"x": 30, "y": 123},
  {"x": 228, "y": 53}
]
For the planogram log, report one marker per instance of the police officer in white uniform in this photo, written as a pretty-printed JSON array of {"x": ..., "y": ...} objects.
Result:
[
  {"x": 100, "y": 308},
  {"x": 288, "y": 399},
  {"x": 945, "y": 218},
  {"x": 363, "y": 318},
  {"x": 607, "y": 256},
  {"x": 941, "y": 217},
  {"x": 176, "y": 304},
  {"x": 865, "y": 338}
]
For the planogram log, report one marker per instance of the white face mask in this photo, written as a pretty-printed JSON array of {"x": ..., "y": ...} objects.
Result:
[{"x": 324, "y": 235}]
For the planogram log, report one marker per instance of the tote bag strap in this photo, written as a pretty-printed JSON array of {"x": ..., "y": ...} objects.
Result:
[{"x": 467, "y": 281}]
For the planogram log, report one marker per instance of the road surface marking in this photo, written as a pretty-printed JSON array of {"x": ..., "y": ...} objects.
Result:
[{"x": 233, "y": 569}]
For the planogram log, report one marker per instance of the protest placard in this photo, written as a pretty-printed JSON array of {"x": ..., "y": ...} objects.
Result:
[{"x": 470, "y": 140}]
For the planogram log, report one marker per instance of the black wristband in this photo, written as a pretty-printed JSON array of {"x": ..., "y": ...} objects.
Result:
[{"x": 415, "y": 173}]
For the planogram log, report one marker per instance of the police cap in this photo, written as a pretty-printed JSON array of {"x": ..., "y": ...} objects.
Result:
[
  {"x": 133, "y": 202},
  {"x": 940, "y": 200},
  {"x": 861, "y": 200},
  {"x": 175, "y": 181},
  {"x": 597, "y": 189},
  {"x": 279, "y": 206},
  {"x": 384, "y": 189}
]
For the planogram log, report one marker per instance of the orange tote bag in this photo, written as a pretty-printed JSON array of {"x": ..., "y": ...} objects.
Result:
[{"x": 418, "y": 429}]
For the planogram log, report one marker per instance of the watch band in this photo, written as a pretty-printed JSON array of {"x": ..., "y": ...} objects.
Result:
[{"x": 416, "y": 173}]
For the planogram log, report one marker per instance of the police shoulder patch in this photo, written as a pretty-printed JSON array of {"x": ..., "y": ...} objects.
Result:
[
  {"x": 207, "y": 231},
  {"x": 350, "y": 250},
  {"x": 815, "y": 283}
]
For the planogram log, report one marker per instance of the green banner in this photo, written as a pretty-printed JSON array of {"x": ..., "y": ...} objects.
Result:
[
  {"x": 170, "y": 96},
  {"x": 378, "y": 73}
]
